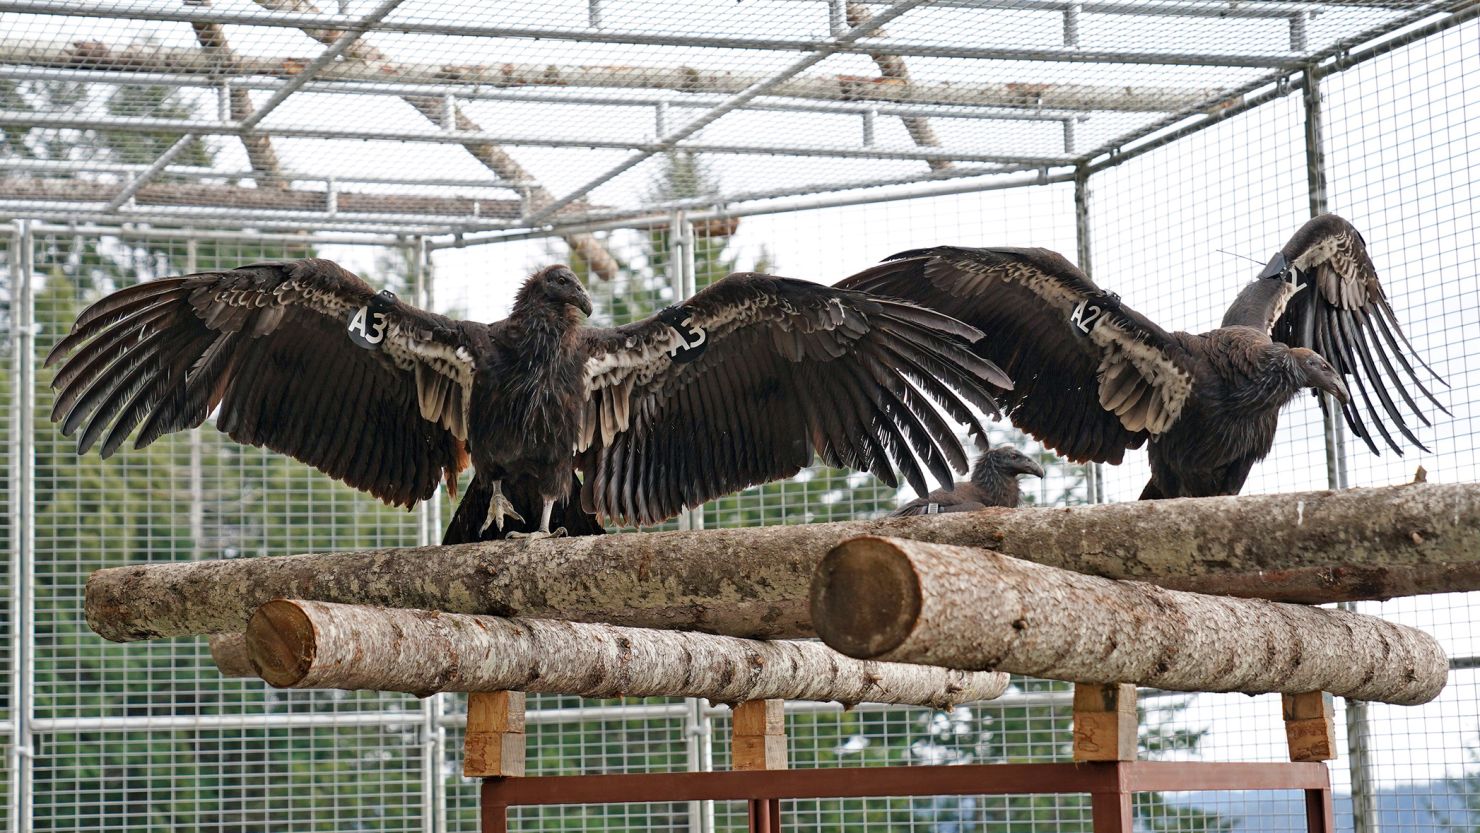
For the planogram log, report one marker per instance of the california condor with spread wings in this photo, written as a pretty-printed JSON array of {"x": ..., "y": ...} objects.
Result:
[
  {"x": 1094, "y": 377},
  {"x": 738, "y": 385}
]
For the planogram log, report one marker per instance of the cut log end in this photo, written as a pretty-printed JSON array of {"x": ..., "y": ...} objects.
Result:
[
  {"x": 866, "y": 598},
  {"x": 280, "y": 640}
]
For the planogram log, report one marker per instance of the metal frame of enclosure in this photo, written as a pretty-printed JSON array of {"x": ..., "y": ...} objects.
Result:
[{"x": 907, "y": 95}]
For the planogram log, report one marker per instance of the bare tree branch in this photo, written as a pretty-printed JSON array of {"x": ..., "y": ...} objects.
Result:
[
  {"x": 490, "y": 155},
  {"x": 260, "y": 153},
  {"x": 893, "y": 68}
]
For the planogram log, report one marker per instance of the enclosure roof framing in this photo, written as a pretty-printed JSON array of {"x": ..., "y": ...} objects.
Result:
[{"x": 408, "y": 116}]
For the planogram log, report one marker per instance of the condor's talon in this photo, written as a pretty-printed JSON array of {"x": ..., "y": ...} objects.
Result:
[
  {"x": 499, "y": 507},
  {"x": 538, "y": 535}
]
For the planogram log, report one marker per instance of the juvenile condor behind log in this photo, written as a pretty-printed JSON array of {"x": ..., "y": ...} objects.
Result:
[
  {"x": 993, "y": 482},
  {"x": 1094, "y": 377},
  {"x": 738, "y": 385}
]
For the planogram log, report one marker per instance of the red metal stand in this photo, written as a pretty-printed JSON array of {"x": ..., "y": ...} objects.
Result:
[{"x": 1110, "y": 786}]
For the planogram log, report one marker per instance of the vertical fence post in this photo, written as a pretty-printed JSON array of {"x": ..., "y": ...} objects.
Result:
[
  {"x": 22, "y": 525},
  {"x": 697, "y": 725},
  {"x": 428, "y": 529},
  {"x": 1094, "y": 484},
  {"x": 197, "y": 475},
  {"x": 1358, "y": 727}
]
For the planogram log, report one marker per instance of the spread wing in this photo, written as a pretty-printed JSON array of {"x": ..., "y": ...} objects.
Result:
[
  {"x": 1321, "y": 292},
  {"x": 1091, "y": 376},
  {"x": 742, "y": 383},
  {"x": 271, "y": 344}
]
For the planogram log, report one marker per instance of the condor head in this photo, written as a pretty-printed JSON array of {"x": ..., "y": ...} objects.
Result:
[
  {"x": 558, "y": 285},
  {"x": 1319, "y": 373}
]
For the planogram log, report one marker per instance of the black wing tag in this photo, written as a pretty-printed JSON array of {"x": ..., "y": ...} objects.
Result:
[
  {"x": 368, "y": 323},
  {"x": 1279, "y": 267},
  {"x": 693, "y": 339},
  {"x": 1086, "y": 317}
]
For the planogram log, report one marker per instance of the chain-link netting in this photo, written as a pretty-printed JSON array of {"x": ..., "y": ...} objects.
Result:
[{"x": 446, "y": 118}]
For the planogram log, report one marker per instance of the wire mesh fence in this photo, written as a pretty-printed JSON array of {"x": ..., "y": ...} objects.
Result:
[{"x": 1184, "y": 122}]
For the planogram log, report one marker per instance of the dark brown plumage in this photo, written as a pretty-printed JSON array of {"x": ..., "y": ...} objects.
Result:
[
  {"x": 993, "y": 482},
  {"x": 1094, "y": 377},
  {"x": 739, "y": 385}
]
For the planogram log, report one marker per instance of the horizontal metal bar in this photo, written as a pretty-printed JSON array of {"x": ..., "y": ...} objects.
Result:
[
  {"x": 69, "y": 166},
  {"x": 677, "y": 39},
  {"x": 733, "y": 197},
  {"x": 220, "y": 722},
  {"x": 1171, "y": 8},
  {"x": 21, "y": 118},
  {"x": 195, "y": 214},
  {"x": 802, "y": 203},
  {"x": 474, "y": 92},
  {"x": 969, "y": 779},
  {"x": 65, "y": 215},
  {"x": 132, "y": 233}
]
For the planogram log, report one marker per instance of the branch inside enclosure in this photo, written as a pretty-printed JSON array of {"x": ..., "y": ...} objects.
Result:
[
  {"x": 153, "y": 58},
  {"x": 491, "y": 156},
  {"x": 302, "y": 644},
  {"x": 909, "y": 601},
  {"x": 271, "y": 199},
  {"x": 1313, "y": 547}
]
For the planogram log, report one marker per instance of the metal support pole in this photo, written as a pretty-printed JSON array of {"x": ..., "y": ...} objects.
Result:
[
  {"x": 429, "y": 522},
  {"x": 22, "y": 527},
  {"x": 697, "y": 724},
  {"x": 1358, "y": 728},
  {"x": 197, "y": 475},
  {"x": 1094, "y": 484},
  {"x": 699, "y": 732}
]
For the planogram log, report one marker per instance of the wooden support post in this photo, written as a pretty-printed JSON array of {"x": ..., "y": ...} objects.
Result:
[
  {"x": 758, "y": 735},
  {"x": 758, "y": 742},
  {"x": 1309, "y": 727},
  {"x": 1105, "y": 722},
  {"x": 494, "y": 743},
  {"x": 1110, "y": 812}
]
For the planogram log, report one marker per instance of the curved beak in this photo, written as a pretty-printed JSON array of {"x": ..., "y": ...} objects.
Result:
[
  {"x": 1336, "y": 388},
  {"x": 584, "y": 302},
  {"x": 1030, "y": 466}
]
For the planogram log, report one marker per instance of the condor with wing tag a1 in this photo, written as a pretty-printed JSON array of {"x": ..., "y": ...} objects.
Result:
[{"x": 367, "y": 324}]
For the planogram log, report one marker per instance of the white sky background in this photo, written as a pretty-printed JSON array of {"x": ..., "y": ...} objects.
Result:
[{"x": 1400, "y": 147}]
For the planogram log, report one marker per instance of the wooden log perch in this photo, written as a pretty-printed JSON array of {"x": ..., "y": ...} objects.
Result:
[
  {"x": 299, "y": 644},
  {"x": 1313, "y": 547},
  {"x": 908, "y": 601},
  {"x": 229, "y": 652}
]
